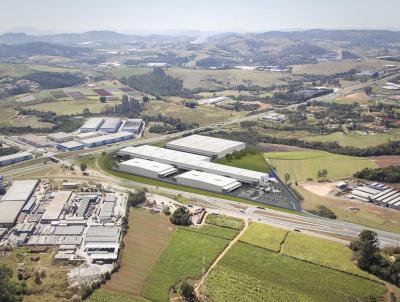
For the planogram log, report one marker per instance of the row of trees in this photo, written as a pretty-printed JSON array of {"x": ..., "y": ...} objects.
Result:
[{"x": 389, "y": 174}]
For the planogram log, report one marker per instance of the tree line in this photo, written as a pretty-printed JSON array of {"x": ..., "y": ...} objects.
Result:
[{"x": 389, "y": 174}]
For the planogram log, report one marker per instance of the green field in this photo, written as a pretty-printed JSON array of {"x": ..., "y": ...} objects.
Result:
[
  {"x": 147, "y": 236},
  {"x": 304, "y": 165},
  {"x": 216, "y": 231},
  {"x": 103, "y": 295},
  {"x": 252, "y": 161},
  {"x": 72, "y": 107},
  {"x": 211, "y": 79},
  {"x": 202, "y": 115},
  {"x": 225, "y": 221},
  {"x": 181, "y": 259},
  {"x": 322, "y": 252},
  {"x": 18, "y": 70},
  {"x": 247, "y": 273},
  {"x": 126, "y": 71},
  {"x": 265, "y": 236},
  {"x": 354, "y": 140}
]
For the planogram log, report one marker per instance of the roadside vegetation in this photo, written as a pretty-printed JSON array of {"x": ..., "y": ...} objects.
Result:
[
  {"x": 265, "y": 236},
  {"x": 225, "y": 221}
]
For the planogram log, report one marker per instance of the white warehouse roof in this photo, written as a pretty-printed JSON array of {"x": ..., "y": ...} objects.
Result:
[
  {"x": 56, "y": 205},
  {"x": 20, "y": 190},
  {"x": 206, "y": 145},
  {"x": 111, "y": 123},
  {"x": 213, "y": 180},
  {"x": 106, "y": 137},
  {"x": 149, "y": 165},
  {"x": 93, "y": 123},
  {"x": 14, "y": 156},
  {"x": 9, "y": 211},
  {"x": 162, "y": 155}
]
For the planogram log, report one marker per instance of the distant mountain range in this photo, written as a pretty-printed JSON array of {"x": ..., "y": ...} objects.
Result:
[{"x": 111, "y": 37}]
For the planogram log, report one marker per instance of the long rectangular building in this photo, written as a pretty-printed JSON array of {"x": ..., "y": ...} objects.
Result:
[
  {"x": 107, "y": 139},
  {"x": 147, "y": 168},
  {"x": 14, "y": 158},
  {"x": 56, "y": 205},
  {"x": 93, "y": 124},
  {"x": 207, "y": 181},
  {"x": 206, "y": 145},
  {"x": 14, "y": 200},
  {"x": 188, "y": 161},
  {"x": 111, "y": 125}
]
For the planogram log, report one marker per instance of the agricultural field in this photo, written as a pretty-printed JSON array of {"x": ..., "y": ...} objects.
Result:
[
  {"x": 203, "y": 115},
  {"x": 71, "y": 107},
  {"x": 244, "y": 270},
  {"x": 126, "y": 71},
  {"x": 18, "y": 70},
  {"x": 225, "y": 221},
  {"x": 103, "y": 295},
  {"x": 180, "y": 260},
  {"x": 322, "y": 252},
  {"x": 211, "y": 79},
  {"x": 252, "y": 161},
  {"x": 354, "y": 139},
  {"x": 216, "y": 231},
  {"x": 338, "y": 67},
  {"x": 265, "y": 236},
  {"x": 305, "y": 165},
  {"x": 147, "y": 236},
  {"x": 358, "y": 97}
]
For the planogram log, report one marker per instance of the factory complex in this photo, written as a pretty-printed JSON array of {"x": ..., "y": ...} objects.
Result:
[
  {"x": 84, "y": 226},
  {"x": 378, "y": 194},
  {"x": 189, "y": 162}
]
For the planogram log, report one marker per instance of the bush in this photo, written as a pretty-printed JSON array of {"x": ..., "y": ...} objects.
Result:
[
  {"x": 323, "y": 211},
  {"x": 181, "y": 216}
]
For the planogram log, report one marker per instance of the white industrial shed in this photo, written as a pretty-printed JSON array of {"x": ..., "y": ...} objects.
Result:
[
  {"x": 14, "y": 200},
  {"x": 207, "y": 181},
  {"x": 147, "y": 168},
  {"x": 190, "y": 161},
  {"x": 206, "y": 145},
  {"x": 56, "y": 205},
  {"x": 93, "y": 124},
  {"x": 111, "y": 125},
  {"x": 14, "y": 158}
]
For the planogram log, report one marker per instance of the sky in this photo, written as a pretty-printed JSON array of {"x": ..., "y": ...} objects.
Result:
[{"x": 204, "y": 15}]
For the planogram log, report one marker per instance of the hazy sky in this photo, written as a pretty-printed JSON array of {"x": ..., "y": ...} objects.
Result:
[{"x": 208, "y": 15}]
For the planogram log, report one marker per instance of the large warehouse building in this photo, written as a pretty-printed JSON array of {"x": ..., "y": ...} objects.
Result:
[
  {"x": 13, "y": 201},
  {"x": 206, "y": 145},
  {"x": 133, "y": 125},
  {"x": 188, "y": 161},
  {"x": 55, "y": 206},
  {"x": 208, "y": 181},
  {"x": 107, "y": 139},
  {"x": 147, "y": 168},
  {"x": 111, "y": 125},
  {"x": 93, "y": 124},
  {"x": 14, "y": 158}
]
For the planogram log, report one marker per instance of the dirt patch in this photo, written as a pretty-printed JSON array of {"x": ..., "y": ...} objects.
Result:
[
  {"x": 320, "y": 188},
  {"x": 355, "y": 96},
  {"x": 386, "y": 161},
  {"x": 264, "y": 147}
]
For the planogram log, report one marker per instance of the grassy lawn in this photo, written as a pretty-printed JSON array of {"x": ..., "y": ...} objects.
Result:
[
  {"x": 180, "y": 260},
  {"x": 103, "y": 295},
  {"x": 147, "y": 235},
  {"x": 322, "y": 252},
  {"x": 225, "y": 221},
  {"x": 265, "y": 236},
  {"x": 354, "y": 140},
  {"x": 71, "y": 107},
  {"x": 251, "y": 161},
  {"x": 304, "y": 165},
  {"x": 203, "y": 115},
  {"x": 248, "y": 273}
]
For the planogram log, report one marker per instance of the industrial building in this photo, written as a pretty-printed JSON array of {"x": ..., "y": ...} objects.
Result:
[
  {"x": 378, "y": 194},
  {"x": 147, "y": 168},
  {"x": 14, "y": 200},
  {"x": 70, "y": 146},
  {"x": 188, "y": 161},
  {"x": 208, "y": 181},
  {"x": 60, "y": 137},
  {"x": 111, "y": 125},
  {"x": 102, "y": 243},
  {"x": 93, "y": 124},
  {"x": 107, "y": 139},
  {"x": 55, "y": 205},
  {"x": 36, "y": 141},
  {"x": 133, "y": 125},
  {"x": 206, "y": 145},
  {"x": 14, "y": 158}
]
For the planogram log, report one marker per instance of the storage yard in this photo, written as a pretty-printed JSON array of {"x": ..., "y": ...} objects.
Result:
[
  {"x": 84, "y": 226},
  {"x": 195, "y": 169}
]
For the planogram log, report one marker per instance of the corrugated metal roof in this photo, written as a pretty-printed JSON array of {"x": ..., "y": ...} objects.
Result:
[
  {"x": 20, "y": 190},
  {"x": 14, "y": 156}
]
